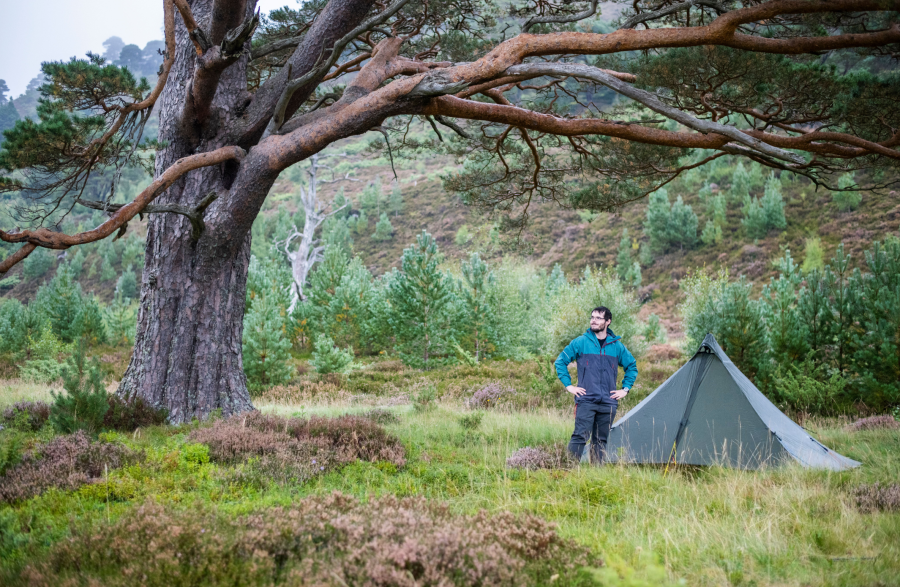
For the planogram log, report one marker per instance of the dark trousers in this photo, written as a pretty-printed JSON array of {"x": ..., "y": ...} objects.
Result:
[{"x": 592, "y": 421}]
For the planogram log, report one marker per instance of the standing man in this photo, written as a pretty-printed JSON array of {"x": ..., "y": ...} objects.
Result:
[{"x": 599, "y": 353}]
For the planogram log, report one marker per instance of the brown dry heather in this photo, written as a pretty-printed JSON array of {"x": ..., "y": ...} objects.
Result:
[
  {"x": 489, "y": 396},
  {"x": 885, "y": 422},
  {"x": 878, "y": 498},
  {"x": 28, "y": 416},
  {"x": 129, "y": 415},
  {"x": 330, "y": 540},
  {"x": 298, "y": 448},
  {"x": 66, "y": 462},
  {"x": 541, "y": 457}
]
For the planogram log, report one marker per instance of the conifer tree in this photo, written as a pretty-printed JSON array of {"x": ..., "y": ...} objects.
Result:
[
  {"x": 106, "y": 269},
  {"x": 384, "y": 230},
  {"x": 37, "y": 264},
  {"x": 362, "y": 223},
  {"x": 556, "y": 281},
  {"x": 61, "y": 300},
  {"x": 740, "y": 183},
  {"x": 741, "y": 330},
  {"x": 421, "y": 298},
  {"x": 351, "y": 313},
  {"x": 844, "y": 300},
  {"x": 633, "y": 275},
  {"x": 370, "y": 200},
  {"x": 787, "y": 332},
  {"x": 84, "y": 401},
  {"x": 127, "y": 284},
  {"x": 89, "y": 322},
  {"x": 682, "y": 225},
  {"x": 877, "y": 353},
  {"x": 119, "y": 317},
  {"x": 712, "y": 233},
  {"x": 656, "y": 225},
  {"x": 670, "y": 226},
  {"x": 336, "y": 233},
  {"x": 266, "y": 349},
  {"x": 326, "y": 277},
  {"x": 327, "y": 358},
  {"x": 478, "y": 314},
  {"x": 77, "y": 264}
]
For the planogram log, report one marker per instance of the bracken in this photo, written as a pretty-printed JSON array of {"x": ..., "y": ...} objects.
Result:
[{"x": 330, "y": 540}]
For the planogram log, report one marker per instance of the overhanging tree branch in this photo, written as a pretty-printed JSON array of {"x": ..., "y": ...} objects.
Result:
[
  {"x": 653, "y": 103},
  {"x": 56, "y": 240}
]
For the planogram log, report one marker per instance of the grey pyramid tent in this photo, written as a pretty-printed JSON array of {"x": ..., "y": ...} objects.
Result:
[{"x": 709, "y": 413}]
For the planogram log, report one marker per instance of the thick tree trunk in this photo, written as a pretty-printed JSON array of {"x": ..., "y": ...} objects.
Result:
[{"x": 187, "y": 352}]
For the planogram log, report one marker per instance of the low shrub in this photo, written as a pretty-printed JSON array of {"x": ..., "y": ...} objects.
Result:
[
  {"x": 329, "y": 540},
  {"x": 471, "y": 421},
  {"x": 424, "y": 400},
  {"x": 66, "y": 462},
  {"x": 129, "y": 415},
  {"x": 297, "y": 449},
  {"x": 488, "y": 396},
  {"x": 540, "y": 457},
  {"x": 878, "y": 498},
  {"x": 84, "y": 402},
  {"x": 885, "y": 422},
  {"x": 26, "y": 416}
]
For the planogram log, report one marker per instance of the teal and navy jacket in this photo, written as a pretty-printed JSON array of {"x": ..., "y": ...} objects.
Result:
[{"x": 598, "y": 366}]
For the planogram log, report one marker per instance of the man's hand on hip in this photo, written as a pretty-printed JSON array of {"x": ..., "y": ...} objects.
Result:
[
  {"x": 576, "y": 391},
  {"x": 619, "y": 394}
]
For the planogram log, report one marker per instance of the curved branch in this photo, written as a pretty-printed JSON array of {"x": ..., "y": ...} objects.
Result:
[
  {"x": 19, "y": 255},
  {"x": 647, "y": 16},
  {"x": 560, "y": 19},
  {"x": 56, "y": 240},
  {"x": 653, "y": 103},
  {"x": 321, "y": 67}
]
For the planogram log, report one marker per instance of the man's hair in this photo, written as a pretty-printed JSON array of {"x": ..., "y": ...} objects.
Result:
[{"x": 604, "y": 312}]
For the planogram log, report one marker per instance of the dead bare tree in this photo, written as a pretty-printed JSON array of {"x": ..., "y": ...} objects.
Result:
[
  {"x": 308, "y": 252},
  {"x": 241, "y": 101}
]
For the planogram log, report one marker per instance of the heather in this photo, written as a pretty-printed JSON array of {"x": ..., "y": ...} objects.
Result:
[
  {"x": 240, "y": 490},
  {"x": 66, "y": 462},
  {"x": 875, "y": 423},
  {"x": 329, "y": 540}
]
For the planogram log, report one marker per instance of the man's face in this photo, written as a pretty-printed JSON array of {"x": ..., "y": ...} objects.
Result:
[{"x": 598, "y": 322}]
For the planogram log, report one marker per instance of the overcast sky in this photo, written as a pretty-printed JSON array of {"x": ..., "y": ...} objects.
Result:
[{"x": 53, "y": 30}]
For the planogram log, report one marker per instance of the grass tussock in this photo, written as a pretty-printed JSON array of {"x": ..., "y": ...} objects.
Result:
[
  {"x": 66, "y": 462},
  {"x": 328, "y": 540}
]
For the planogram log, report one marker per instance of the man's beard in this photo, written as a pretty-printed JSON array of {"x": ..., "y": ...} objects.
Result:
[{"x": 596, "y": 329}]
